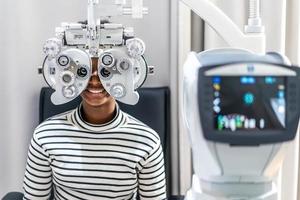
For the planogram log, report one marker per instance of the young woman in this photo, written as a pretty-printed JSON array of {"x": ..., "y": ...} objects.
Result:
[{"x": 94, "y": 152}]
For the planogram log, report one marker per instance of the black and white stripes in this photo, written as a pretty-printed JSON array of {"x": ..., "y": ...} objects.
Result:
[{"x": 78, "y": 160}]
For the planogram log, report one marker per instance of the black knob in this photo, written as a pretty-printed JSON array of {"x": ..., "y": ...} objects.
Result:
[
  {"x": 82, "y": 72},
  {"x": 63, "y": 60},
  {"x": 104, "y": 73}
]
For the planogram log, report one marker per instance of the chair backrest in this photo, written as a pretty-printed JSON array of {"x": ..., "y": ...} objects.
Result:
[{"x": 153, "y": 109}]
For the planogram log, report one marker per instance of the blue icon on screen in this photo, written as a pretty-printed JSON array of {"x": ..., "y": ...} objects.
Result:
[
  {"x": 251, "y": 80},
  {"x": 248, "y": 98},
  {"x": 281, "y": 94},
  {"x": 247, "y": 80},
  {"x": 244, "y": 80},
  {"x": 270, "y": 80},
  {"x": 216, "y": 80}
]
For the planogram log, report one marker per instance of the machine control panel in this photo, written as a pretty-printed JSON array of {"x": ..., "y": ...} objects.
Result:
[{"x": 249, "y": 103}]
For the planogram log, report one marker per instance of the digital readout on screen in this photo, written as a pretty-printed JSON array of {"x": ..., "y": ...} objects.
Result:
[{"x": 249, "y": 103}]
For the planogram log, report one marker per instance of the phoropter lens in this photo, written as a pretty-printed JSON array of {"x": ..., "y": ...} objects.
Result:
[
  {"x": 82, "y": 72},
  {"x": 67, "y": 78},
  {"x": 104, "y": 73},
  {"x": 124, "y": 65}
]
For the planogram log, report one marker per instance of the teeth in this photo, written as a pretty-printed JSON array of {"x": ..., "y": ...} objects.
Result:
[{"x": 96, "y": 91}]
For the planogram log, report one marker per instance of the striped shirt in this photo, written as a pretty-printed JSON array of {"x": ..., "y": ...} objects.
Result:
[{"x": 77, "y": 160}]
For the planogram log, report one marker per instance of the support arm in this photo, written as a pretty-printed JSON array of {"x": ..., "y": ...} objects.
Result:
[{"x": 225, "y": 27}]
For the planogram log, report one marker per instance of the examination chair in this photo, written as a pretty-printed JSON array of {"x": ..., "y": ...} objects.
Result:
[{"x": 153, "y": 109}]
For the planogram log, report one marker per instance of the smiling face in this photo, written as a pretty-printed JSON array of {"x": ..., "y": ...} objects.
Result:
[{"x": 95, "y": 95}]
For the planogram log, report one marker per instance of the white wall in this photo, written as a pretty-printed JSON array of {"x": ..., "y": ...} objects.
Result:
[{"x": 25, "y": 26}]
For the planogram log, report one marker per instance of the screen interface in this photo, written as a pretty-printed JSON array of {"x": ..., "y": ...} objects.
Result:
[{"x": 249, "y": 103}]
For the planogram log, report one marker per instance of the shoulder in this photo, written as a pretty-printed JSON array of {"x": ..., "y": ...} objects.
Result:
[
  {"x": 58, "y": 121},
  {"x": 143, "y": 130}
]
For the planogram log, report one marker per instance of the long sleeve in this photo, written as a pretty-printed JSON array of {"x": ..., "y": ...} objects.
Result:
[
  {"x": 38, "y": 175},
  {"x": 151, "y": 178}
]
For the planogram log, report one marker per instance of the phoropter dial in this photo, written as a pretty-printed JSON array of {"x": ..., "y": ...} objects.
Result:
[
  {"x": 124, "y": 64},
  {"x": 105, "y": 73},
  {"x": 135, "y": 47},
  {"x": 107, "y": 60},
  {"x": 118, "y": 91},
  {"x": 63, "y": 60},
  {"x": 52, "y": 47},
  {"x": 82, "y": 71},
  {"x": 69, "y": 91}
]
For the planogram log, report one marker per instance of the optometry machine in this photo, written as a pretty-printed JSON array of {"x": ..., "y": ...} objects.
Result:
[
  {"x": 241, "y": 110},
  {"x": 122, "y": 67}
]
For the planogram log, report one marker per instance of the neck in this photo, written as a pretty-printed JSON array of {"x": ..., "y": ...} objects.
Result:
[{"x": 98, "y": 114}]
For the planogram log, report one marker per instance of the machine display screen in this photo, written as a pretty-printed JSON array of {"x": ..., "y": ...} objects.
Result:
[{"x": 249, "y": 103}]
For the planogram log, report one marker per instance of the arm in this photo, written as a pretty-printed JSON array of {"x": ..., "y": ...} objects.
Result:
[
  {"x": 38, "y": 175},
  {"x": 151, "y": 177}
]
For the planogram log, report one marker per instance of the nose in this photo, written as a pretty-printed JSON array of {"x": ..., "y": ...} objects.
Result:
[{"x": 94, "y": 66}]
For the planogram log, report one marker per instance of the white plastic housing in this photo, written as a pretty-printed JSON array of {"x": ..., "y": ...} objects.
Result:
[{"x": 221, "y": 169}]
